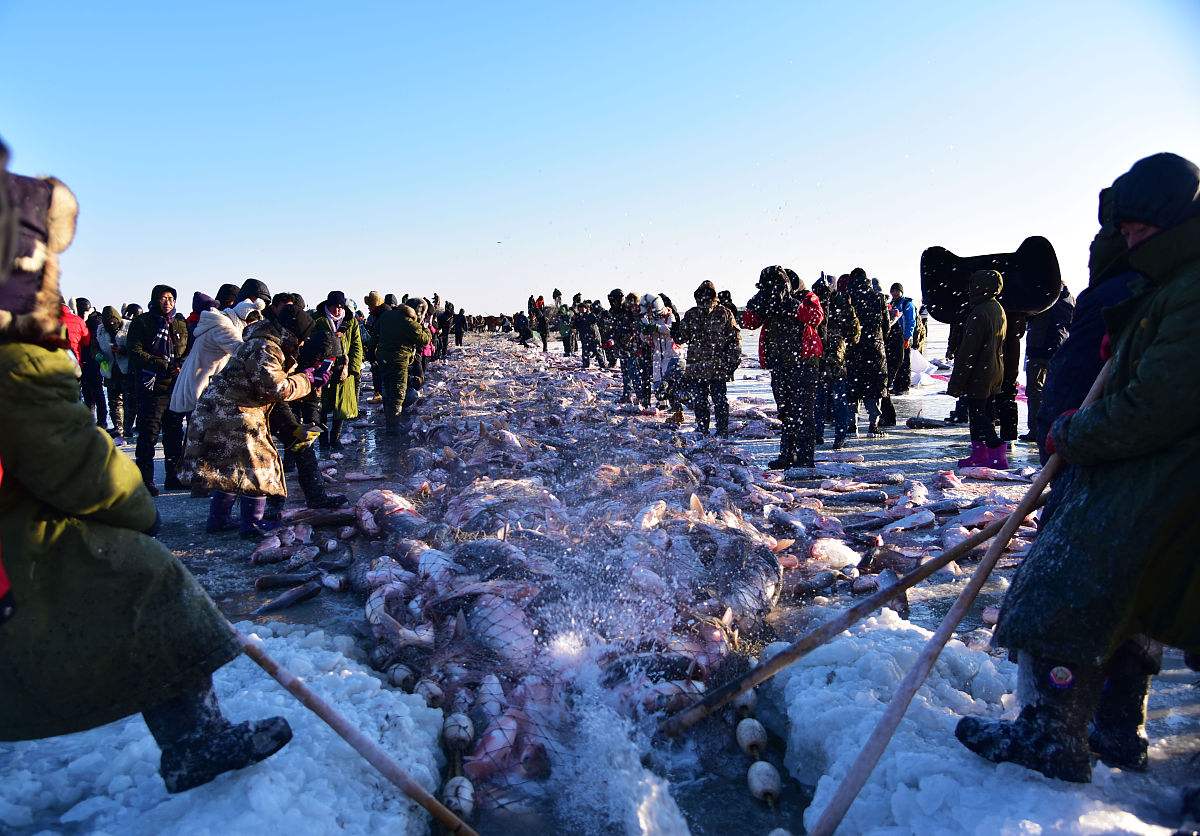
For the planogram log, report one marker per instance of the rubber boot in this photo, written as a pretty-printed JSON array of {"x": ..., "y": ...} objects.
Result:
[
  {"x": 1118, "y": 731},
  {"x": 312, "y": 483},
  {"x": 252, "y": 509},
  {"x": 220, "y": 507},
  {"x": 978, "y": 457},
  {"x": 198, "y": 743},
  {"x": 1050, "y": 735},
  {"x": 997, "y": 457},
  {"x": 274, "y": 511}
]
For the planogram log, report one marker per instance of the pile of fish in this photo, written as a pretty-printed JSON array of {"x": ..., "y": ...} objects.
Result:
[{"x": 533, "y": 536}]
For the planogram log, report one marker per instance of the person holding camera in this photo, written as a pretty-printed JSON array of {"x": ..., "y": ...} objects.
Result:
[{"x": 788, "y": 314}]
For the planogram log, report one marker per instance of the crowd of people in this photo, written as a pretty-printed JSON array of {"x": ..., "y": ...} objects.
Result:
[
  {"x": 835, "y": 349},
  {"x": 246, "y": 385}
]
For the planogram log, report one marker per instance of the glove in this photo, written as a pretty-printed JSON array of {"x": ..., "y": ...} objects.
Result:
[
  {"x": 1060, "y": 424},
  {"x": 758, "y": 304},
  {"x": 1105, "y": 347}
]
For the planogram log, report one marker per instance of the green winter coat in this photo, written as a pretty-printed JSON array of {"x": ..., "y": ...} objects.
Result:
[
  {"x": 713, "y": 340},
  {"x": 1119, "y": 555},
  {"x": 979, "y": 359},
  {"x": 400, "y": 334},
  {"x": 108, "y": 621},
  {"x": 341, "y": 396}
]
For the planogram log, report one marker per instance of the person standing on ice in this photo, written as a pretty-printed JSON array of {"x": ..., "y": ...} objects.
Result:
[
  {"x": 588, "y": 326},
  {"x": 1047, "y": 332},
  {"x": 979, "y": 369},
  {"x": 867, "y": 359},
  {"x": 666, "y": 372},
  {"x": 128, "y": 628},
  {"x": 788, "y": 314},
  {"x": 842, "y": 333},
  {"x": 563, "y": 322},
  {"x": 401, "y": 338},
  {"x": 713, "y": 346},
  {"x": 157, "y": 343},
  {"x": 900, "y": 336},
  {"x": 1114, "y": 569}
]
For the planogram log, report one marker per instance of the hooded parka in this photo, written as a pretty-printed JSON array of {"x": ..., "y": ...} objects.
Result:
[
  {"x": 1118, "y": 555},
  {"x": 979, "y": 361},
  {"x": 108, "y": 621}
]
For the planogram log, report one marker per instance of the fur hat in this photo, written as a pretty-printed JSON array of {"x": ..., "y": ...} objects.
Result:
[
  {"x": 373, "y": 299},
  {"x": 44, "y": 211},
  {"x": 244, "y": 308}
]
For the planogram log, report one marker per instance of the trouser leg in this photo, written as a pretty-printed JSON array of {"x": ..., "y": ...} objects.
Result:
[
  {"x": 150, "y": 411},
  {"x": 700, "y": 395},
  {"x": 116, "y": 403},
  {"x": 720, "y": 398},
  {"x": 172, "y": 432},
  {"x": 841, "y": 409},
  {"x": 1035, "y": 382},
  {"x": 979, "y": 419}
]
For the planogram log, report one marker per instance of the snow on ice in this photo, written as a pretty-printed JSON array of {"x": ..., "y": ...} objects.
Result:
[
  {"x": 105, "y": 781},
  {"x": 826, "y": 705}
]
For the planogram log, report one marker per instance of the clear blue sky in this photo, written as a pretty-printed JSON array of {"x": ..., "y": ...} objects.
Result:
[{"x": 487, "y": 150}]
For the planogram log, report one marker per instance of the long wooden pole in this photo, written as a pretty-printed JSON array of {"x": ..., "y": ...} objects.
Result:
[
  {"x": 865, "y": 763},
  {"x": 369, "y": 749},
  {"x": 716, "y": 699}
]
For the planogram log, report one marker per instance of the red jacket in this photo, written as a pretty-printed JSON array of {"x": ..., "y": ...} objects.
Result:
[
  {"x": 810, "y": 315},
  {"x": 78, "y": 336}
]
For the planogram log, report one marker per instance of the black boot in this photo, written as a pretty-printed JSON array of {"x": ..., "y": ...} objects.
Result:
[
  {"x": 172, "y": 482},
  {"x": 1050, "y": 735},
  {"x": 147, "y": 471},
  {"x": 198, "y": 743},
  {"x": 1118, "y": 731},
  {"x": 312, "y": 483},
  {"x": 787, "y": 453},
  {"x": 335, "y": 434}
]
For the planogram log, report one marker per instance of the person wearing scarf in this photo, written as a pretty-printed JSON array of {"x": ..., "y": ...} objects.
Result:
[{"x": 157, "y": 343}]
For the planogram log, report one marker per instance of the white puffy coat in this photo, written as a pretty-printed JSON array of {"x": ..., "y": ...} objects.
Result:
[{"x": 217, "y": 336}]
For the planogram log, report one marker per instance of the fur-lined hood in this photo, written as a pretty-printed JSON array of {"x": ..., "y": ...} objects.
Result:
[{"x": 46, "y": 211}]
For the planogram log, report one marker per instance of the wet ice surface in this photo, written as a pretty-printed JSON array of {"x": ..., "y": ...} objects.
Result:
[{"x": 606, "y": 776}]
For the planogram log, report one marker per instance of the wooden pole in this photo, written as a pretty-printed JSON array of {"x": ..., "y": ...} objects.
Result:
[
  {"x": 865, "y": 763},
  {"x": 369, "y": 749},
  {"x": 718, "y": 698}
]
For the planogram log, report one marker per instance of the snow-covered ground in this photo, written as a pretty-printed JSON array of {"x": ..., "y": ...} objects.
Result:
[
  {"x": 105, "y": 781},
  {"x": 827, "y": 704}
]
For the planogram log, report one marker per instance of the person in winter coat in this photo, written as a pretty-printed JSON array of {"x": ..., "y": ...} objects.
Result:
[
  {"x": 1113, "y": 572},
  {"x": 339, "y": 400},
  {"x": 521, "y": 326},
  {"x": 128, "y": 628},
  {"x": 541, "y": 324},
  {"x": 460, "y": 326},
  {"x": 77, "y": 336},
  {"x": 157, "y": 343},
  {"x": 842, "y": 333},
  {"x": 1046, "y": 334},
  {"x": 229, "y": 447},
  {"x": 375, "y": 303},
  {"x": 921, "y": 333},
  {"x": 713, "y": 345},
  {"x": 903, "y": 326},
  {"x": 416, "y": 369},
  {"x": 867, "y": 359},
  {"x": 114, "y": 367},
  {"x": 401, "y": 337},
  {"x": 979, "y": 369},
  {"x": 1075, "y": 365},
  {"x": 445, "y": 323},
  {"x": 789, "y": 346},
  {"x": 563, "y": 321},
  {"x": 587, "y": 325},
  {"x": 216, "y": 337},
  {"x": 666, "y": 372}
]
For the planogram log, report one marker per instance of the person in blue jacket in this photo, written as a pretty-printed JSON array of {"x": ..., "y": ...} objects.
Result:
[{"x": 903, "y": 323}]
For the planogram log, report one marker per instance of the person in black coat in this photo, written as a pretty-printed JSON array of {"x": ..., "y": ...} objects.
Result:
[{"x": 1047, "y": 333}]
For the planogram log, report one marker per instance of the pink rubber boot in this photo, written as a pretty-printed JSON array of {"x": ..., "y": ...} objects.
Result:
[
  {"x": 978, "y": 457},
  {"x": 997, "y": 457}
]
